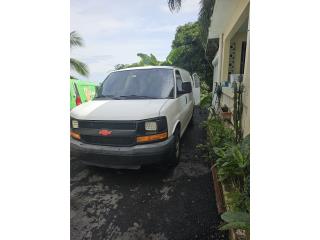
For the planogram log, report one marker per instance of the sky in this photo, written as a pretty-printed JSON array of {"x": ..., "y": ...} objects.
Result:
[{"x": 115, "y": 31}]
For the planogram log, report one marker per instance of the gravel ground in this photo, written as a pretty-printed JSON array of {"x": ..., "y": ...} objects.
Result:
[{"x": 146, "y": 204}]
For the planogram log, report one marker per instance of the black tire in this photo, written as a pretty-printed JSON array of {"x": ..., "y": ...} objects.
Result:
[
  {"x": 191, "y": 123},
  {"x": 176, "y": 151}
]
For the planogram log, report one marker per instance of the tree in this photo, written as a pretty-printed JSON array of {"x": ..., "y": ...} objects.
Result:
[
  {"x": 145, "y": 60},
  {"x": 187, "y": 52},
  {"x": 174, "y": 4},
  {"x": 206, "y": 10},
  {"x": 204, "y": 18},
  {"x": 148, "y": 60},
  {"x": 119, "y": 66},
  {"x": 76, "y": 65}
]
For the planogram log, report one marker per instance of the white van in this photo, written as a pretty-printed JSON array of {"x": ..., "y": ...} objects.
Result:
[{"x": 137, "y": 118}]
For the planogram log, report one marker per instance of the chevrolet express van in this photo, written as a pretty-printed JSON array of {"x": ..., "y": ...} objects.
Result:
[{"x": 137, "y": 118}]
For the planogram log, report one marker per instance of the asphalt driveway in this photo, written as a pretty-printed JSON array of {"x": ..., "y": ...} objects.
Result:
[{"x": 146, "y": 204}]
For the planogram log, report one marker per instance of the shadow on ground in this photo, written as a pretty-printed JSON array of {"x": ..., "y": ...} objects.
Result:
[{"x": 146, "y": 204}]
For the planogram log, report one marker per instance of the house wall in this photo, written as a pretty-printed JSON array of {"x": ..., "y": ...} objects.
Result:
[
  {"x": 238, "y": 39},
  {"x": 238, "y": 17},
  {"x": 240, "y": 13},
  {"x": 227, "y": 98},
  {"x": 246, "y": 94}
]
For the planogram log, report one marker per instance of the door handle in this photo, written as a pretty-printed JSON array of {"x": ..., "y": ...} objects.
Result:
[{"x": 186, "y": 99}]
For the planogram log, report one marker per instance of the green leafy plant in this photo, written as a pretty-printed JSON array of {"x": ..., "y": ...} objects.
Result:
[
  {"x": 187, "y": 51},
  {"x": 237, "y": 200},
  {"x": 233, "y": 163},
  {"x": 238, "y": 89},
  {"x": 236, "y": 220},
  {"x": 206, "y": 100},
  {"x": 217, "y": 136},
  {"x": 206, "y": 9},
  {"x": 206, "y": 96},
  {"x": 145, "y": 60},
  {"x": 233, "y": 169},
  {"x": 231, "y": 157}
]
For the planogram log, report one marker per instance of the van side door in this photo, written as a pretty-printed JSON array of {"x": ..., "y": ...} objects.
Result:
[
  {"x": 196, "y": 89},
  {"x": 186, "y": 77},
  {"x": 182, "y": 100}
]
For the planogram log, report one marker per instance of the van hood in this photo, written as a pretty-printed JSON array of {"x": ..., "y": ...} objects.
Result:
[{"x": 118, "y": 109}]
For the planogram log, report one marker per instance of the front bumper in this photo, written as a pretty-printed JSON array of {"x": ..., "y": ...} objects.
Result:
[{"x": 118, "y": 157}]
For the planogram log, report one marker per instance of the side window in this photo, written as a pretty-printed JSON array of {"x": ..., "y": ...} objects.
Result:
[{"x": 178, "y": 82}]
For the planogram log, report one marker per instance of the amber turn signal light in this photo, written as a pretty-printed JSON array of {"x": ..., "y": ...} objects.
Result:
[
  {"x": 150, "y": 138},
  {"x": 75, "y": 135}
]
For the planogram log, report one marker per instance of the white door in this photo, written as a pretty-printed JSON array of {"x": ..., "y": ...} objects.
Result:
[
  {"x": 196, "y": 89},
  {"x": 182, "y": 101}
]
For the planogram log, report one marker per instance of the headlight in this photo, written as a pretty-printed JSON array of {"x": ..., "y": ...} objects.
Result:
[
  {"x": 152, "y": 130},
  {"x": 75, "y": 124},
  {"x": 150, "y": 126}
]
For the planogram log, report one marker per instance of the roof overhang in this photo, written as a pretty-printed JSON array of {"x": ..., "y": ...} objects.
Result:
[{"x": 222, "y": 12}]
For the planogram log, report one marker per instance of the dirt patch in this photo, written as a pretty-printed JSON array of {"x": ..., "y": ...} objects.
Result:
[{"x": 188, "y": 169}]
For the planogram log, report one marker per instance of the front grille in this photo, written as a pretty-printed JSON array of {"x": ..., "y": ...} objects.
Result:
[
  {"x": 123, "y": 132},
  {"x": 110, "y": 125},
  {"x": 109, "y": 141}
]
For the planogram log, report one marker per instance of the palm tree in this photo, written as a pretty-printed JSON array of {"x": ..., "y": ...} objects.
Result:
[
  {"x": 206, "y": 9},
  {"x": 174, "y": 4},
  {"x": 76, "y": 65}
]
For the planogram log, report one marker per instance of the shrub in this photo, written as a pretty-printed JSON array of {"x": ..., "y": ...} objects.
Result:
[
  {"x": 235, "y": 220},
  {"x": 232, "y": 161}
]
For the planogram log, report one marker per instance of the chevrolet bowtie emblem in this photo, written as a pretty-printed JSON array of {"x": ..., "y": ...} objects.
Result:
[{"x": 105, "y": 132}]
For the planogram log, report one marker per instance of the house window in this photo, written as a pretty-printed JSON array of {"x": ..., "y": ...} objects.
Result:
[
  {"x": 232, "y": 54},
  {"x": 243, "y": 57}
]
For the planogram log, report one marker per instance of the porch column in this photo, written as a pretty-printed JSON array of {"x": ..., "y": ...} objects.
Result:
[
  {"x": 225, "y": 59},
  {"x": 246, "y": 84}
]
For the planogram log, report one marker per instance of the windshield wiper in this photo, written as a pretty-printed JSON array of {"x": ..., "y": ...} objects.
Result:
[
  {"x": 106, "y": 96},
  {"x": 138, "y": 97}
]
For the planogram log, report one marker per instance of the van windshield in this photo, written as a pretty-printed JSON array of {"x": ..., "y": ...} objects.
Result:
[{"x": 138, "y": 84}]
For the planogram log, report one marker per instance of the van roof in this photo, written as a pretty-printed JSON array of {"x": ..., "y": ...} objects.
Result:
[{"x": 150, "y": 67}]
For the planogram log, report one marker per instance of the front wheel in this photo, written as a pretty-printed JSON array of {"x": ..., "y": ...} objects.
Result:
[
  {"x": 176, "y": 152},
  {"x": 191, "y": 123}
]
